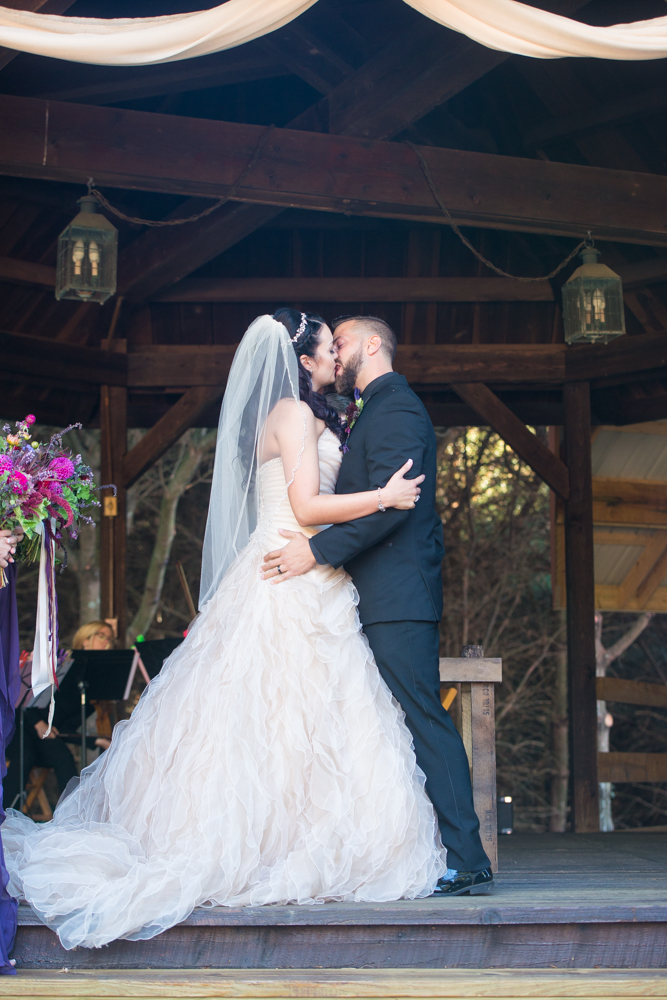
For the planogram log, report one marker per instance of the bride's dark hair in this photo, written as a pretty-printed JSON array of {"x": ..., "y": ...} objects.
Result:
[{"x": 307, "y": 343}]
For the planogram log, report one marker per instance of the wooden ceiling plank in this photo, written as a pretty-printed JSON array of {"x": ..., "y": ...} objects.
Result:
[
  {"x": 514, "y": 432},
  {"x": 140, "y": 150},
  {"x": 353, "y": 289}
]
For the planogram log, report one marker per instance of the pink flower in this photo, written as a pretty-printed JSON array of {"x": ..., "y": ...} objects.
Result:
[
  {"x": 30, "y": 419},
  {"x": 52, "y": 488},
  {"x": 62, "y": 468},
  {"x": 20, "y": 483},
  {"x": 5, "y": 464}
]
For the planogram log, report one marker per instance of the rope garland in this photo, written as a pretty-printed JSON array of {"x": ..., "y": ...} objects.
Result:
[
  {"x": 587, "y": 242},
  {"x": 92, "y": 190}
]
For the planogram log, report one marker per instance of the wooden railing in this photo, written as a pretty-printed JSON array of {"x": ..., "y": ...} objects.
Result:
[{"x": 620, "y": 767}]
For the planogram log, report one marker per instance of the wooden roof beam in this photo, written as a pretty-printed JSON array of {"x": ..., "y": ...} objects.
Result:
[
  {"x": 606, "y": 112},
  {"x": 421, "y": 69},
  {"x": 59, "y": 362},
  {"x": 25, "y": 272},
  {"x": 140, "y": 150},
  {"x": 392, "y": 289},
  {"x": 514, "y": 432},
  {"x": 166, "y": 432},
  {"x": 235, "y": 66}
]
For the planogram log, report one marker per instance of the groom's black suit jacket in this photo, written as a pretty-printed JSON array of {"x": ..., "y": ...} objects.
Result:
[{"x": 394, "y": 556}]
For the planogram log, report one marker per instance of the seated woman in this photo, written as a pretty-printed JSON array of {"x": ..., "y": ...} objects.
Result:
[{"x": 52, "y": 751}]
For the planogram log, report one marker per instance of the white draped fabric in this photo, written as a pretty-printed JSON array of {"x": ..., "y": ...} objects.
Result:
[{"x": 506, "y": 25}]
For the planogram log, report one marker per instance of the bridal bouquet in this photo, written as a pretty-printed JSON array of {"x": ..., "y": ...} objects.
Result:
[{"x": 43, "y": 488}]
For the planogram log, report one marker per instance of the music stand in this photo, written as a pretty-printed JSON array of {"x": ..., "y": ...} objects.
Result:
[
  {"x": 100, "y": 675},
  {"x": 154, "y": 652}
]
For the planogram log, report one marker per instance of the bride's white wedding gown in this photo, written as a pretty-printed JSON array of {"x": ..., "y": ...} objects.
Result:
[{"x": 267, "y": 763}]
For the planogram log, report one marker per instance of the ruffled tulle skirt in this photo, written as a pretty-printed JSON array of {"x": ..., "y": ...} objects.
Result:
[{"x": 267, "y": 763}]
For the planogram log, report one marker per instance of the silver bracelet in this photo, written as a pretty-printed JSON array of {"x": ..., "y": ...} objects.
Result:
[{"x": 381, "y": 506}]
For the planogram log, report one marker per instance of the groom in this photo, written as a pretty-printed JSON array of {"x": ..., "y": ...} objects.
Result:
[{"x": 394, "y": 557}]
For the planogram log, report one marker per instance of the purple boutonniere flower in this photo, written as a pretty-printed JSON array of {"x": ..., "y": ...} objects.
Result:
[{"x": 351, "y": 416}]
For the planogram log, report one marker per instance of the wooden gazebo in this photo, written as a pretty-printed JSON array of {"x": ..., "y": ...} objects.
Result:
[{"x": 336, "y": 214}]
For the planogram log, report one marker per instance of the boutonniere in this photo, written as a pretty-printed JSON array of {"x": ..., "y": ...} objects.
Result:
[{"x": 351, "y": 415}]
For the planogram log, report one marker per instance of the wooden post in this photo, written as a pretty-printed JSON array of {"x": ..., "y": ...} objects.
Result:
[
  {"x": 113, "y": 436},
  {"x": 580, "y": 584},
  {"x": 476, "y": 677}
]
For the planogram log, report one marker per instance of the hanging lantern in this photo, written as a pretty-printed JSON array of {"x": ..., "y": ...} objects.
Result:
[
  {"x": 593, "y": 302},
  {"x": 87, "y": 256}
]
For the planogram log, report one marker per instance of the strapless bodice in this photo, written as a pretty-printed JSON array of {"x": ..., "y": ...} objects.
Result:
[{"x": 275, "y": 511}]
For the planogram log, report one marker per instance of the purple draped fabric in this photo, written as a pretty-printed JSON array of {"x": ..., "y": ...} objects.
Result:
[{"x": 9, "y": 691}]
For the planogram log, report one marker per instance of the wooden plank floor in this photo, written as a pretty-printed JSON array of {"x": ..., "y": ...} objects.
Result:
[{"x": 564, "y": 900}]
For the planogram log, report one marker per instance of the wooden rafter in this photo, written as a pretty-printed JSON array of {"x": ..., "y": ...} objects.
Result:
[
  {"x": 25, "y": 272},
  {"x": 390, "y": 289},
  {"x": 166, "y": 432},
  {"x": 524, "y": 442},
  {"x": 219, "y": 70}
]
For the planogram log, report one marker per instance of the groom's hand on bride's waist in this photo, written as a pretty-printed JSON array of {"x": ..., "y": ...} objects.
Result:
[{"x": 294, "y": 560}]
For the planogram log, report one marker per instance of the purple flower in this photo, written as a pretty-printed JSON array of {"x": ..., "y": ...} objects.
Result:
[
  {"x": 5, "y": 464},
  {"x": 30, "y": 419},
  {"x": 62, "y": 468},
  {"x": 52, "y": 488}
]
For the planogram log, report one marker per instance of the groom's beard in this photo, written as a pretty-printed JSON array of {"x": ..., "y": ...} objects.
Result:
[{"x": 347, "y": 376}]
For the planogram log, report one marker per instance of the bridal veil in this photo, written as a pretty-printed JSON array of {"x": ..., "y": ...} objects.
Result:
[{"x": 263, "y": 372}]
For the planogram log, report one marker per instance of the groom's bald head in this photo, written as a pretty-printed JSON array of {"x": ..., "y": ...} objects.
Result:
[{"x": 366, "y": 346}]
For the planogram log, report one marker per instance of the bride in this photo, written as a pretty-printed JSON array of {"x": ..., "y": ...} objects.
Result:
[{"x": 267, "y": 762}]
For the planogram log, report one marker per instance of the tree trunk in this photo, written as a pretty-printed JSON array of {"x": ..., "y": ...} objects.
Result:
[
  {"x": 194, "y": 450},
  {"x": 560, "y": 746},
  {"x": 88, "y": 576},
  {"x": 86, "y": 556},
  {"x": 603, "y": 658}
]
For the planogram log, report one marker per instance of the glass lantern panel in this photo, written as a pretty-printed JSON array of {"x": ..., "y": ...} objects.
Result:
[
  {"x": 593, "y": 309},
  {"x": 87, "y": 259}
]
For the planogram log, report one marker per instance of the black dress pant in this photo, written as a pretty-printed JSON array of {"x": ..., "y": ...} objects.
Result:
[
  {"x": 407, "y": 655},
  {"x": 37, "y": 753}
]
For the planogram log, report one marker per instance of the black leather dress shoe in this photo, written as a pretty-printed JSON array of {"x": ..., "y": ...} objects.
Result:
[{"x": 475, "y": 883}]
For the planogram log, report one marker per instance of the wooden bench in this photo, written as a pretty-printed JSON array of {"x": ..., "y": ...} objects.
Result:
[{"x": 474, "y": 678}]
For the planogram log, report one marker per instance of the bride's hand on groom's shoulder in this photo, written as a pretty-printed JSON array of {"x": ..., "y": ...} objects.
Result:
[{"x": 294, "y": 560}]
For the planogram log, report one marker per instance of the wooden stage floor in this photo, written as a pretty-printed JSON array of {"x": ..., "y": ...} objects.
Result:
[{"x": 563, "y": 901}]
